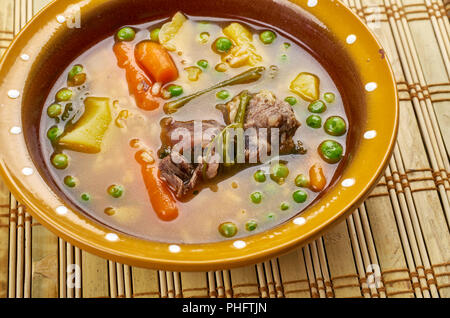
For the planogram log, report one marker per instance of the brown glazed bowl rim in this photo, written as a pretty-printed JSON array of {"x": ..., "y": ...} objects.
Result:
[{"x": 357, "y": 179}]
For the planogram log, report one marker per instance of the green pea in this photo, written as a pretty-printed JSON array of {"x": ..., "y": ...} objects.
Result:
[
  {"x": 85, "y": 197},
  {"x": 271, "y": 216},
  {"x": 302, "y": 181},
  {"x": 70, "y": 181},
  {"x": 335, "y": 126},
  {"x": 54, "y": 110},
  {"x": 228, "y": 229},
  {"x": 300, "y": 196},
  {"x": 53, "y": 133},
  {"x": 60, "y": 160},
  {"x": 175, "y": 90},
  {"x": 259, "y": 176},
  {"x": 291, "y": 100},
  {"x": 279, "y": 172},
  {"x": 329, "y": 97},
  {"x": 317, "y": 107},
  {"x": 115, "y": 190},
  {"x": 314, "y": 121},
  {"x": 223, "y": 44},
  {"x": 223, "y": 94},
  {"x": 63, "y": 95},
  {"x": 256, "y": 197},
  {"x": 251, "y": 225},
  {"x": 203, "y": 63},
  {"x": 154, "y": 34},
  {"x": 284, "y": 206},
  {"x": 75, "y": 70},
  {"x": 283, "y": 57},
  {"x": 126, "y": 34},
  {"x": 331, "y": 151},
  {"x": 286, "y": 45},
  {"x": 267, "y": 37}
]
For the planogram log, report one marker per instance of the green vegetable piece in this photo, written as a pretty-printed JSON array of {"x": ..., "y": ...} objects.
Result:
[
  {"x": 126, "y": 34},
  {"x": 63, "y": 95},
  {"x": 302, "y": 181},
  {"x": 115, "y": 190},
  {"x": 54, "y": 110},
  {"x": 175, "y": 90},
  {"x": 271, "y": 216},
  {"x": 75, "y": 70},
  {"x": 267, "y": 37},
  {"x": 70, "y": 181},
  {"x": 279, "y": 172},
  {"x": 251, "y": 225},
  {"x": 203, "y": 63},
  {"x": 284, "y": 206},
  {"x": 256, "y": 197},
  {"x": 246, "y": 77},
  {"x": 228, "y": 229},
  {"x": 53, "y": 133},
  {"x": 329, "y": 97},
  {"x": 154, "y": 34},
  {"x": 223, "y": 44},
  {"x": 335, "y": 126},
  {"x": 85, "y": 197},
  {"x": 314, "y": 121},
  {"x": 317, "y": 107},
  {"x": 259, "y": 176},
  {"x": 223, "y": 94},
  {"x": 291, "y": 100},
  {"x": 300, "y": 196},
  {"x": 331, "y": 151},
  {"x": 59, "y": 160}
]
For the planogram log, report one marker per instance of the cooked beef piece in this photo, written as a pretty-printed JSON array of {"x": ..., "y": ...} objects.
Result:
[{"x": 180, "y": 174}]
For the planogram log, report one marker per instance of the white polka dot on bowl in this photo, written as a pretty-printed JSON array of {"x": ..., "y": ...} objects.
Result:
[
  {"x": 299, "y": 221},
  {"x": 239, "y": 244},
  {"x": 370, "y": 134},
  {"x": 370, "y": 87},
  {"x": 25, "y": 57},
  {"x": 348, "y": 182},
  {"x": 27, "y": 171},
  {"x": 60, "y": 19},
  {"x": 351, "y": 39},
  {"x": 61, "y": 210},
  {"x": 112, "y": 237},
  {"x": 13, "y": 93},
  {"x": 174, "y": 248},
  {"x": 312, "y": 3},
  {"x": 16, "y": 130}
]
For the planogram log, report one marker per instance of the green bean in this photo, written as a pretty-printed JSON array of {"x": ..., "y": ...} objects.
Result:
[{"x": 246, "y": 77}]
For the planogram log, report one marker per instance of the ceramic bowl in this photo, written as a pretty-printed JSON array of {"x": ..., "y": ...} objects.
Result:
[{"x": 65, "y": 28}]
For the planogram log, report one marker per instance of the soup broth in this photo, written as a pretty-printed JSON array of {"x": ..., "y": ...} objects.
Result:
[{"x": 107, "y": 182}]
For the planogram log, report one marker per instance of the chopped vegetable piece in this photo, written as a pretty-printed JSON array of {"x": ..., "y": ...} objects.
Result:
[
  {"x": 306, "y": 85},
  {"x": 223, "y": 94},
  {"x": 267, "y": 37},
  {"x": 271, "y": 216},
  {"x": 70, "y": 181},
  {"x": 301, "y": 181},
  {"x": 115, "y": 190},
  {"x": 222, "y": 45},
  {"x": 256, "y": 197},
  {"x": 110, "y": 211},
  {"x": 317, "y": 179},
  {"x": 60, "y": 160},
  {"x": 175, "y": 90},
  {"x": 251, "y": 225},
  {"x": 193, "y": 72},
  {"x": 53, "y": 133},
  {"x": 139, "y": 84},
  {"x": 243, "y": 52},
  {"x": 335, "y": 126},
  {"x": 259, "y": 176},
  {"x": 156, "y": 61},
  {"x": 228, "y": 229},
  {"x": 331, "y": 151},
  {"x": 300, "y": 196},
  {"x": 75, "y": 70},
  {"x": 170, "y": 29},
  {"x": 291, "y": 100},
  {"x": 161, "y": 198},
  {"x": 126, "y": 34},
  {"x": 284, "y": 206},
  {"x": 314, "y": 121},
  {"x": 221, "y": 67},
  {"x": 63, "y": 95},
  {"x": 54, "y": 110},
  {"x": 85, "y": 197},
  {"x": 202, "y": 63},
  {"x": 329, "y": 97},
  {"x": 154, "y": 34},
  {"x": 279, "y": 172},
  {"x": 246, "y": 77},
  {"x": 203, "y": 37},
  {"x": 77, "y": 80},
  {"x": 87, "y": 133},
  {"x": 286, "y": 45},
  {"x": 317, "y": 107}
]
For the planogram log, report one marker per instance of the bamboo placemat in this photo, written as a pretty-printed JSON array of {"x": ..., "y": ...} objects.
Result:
[{"x": 396, "y": 244}]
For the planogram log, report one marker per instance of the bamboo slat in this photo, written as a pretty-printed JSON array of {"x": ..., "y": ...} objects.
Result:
[{"x": 396, "y": 244}]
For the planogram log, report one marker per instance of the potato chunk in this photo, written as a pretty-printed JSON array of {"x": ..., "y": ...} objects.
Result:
[
  {"x": 170, "y": 29},
  {"x": 306, "y": 85},
  {"x": 244, "y": 52},
  {"x": 87, "y": 133}
]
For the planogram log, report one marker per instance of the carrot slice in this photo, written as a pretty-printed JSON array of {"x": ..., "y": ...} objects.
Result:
[
  {"x": 161, "y": 198},
  {"x": 317, "y": 179},
  {"x": 139, "y": 84},
  {"x": 156, "y": 61}
]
